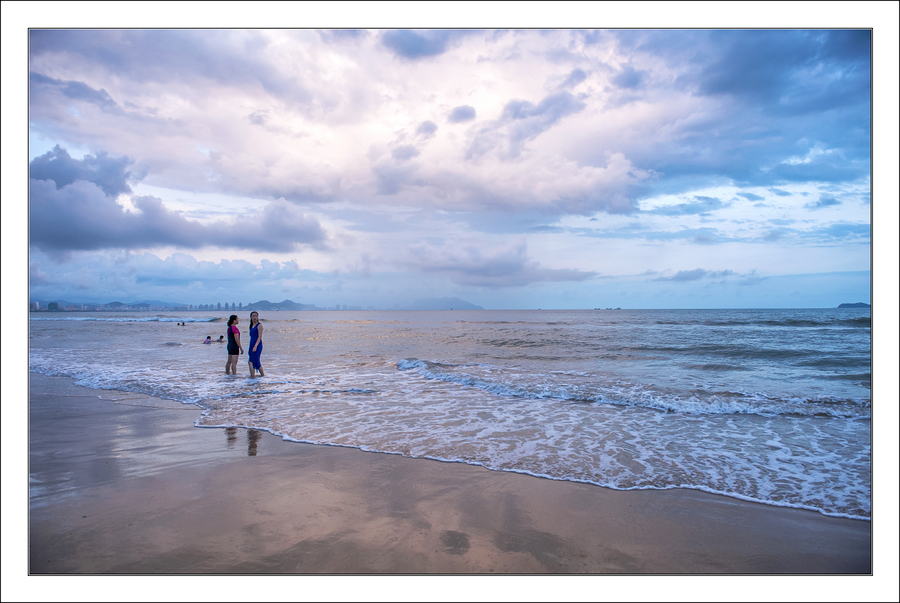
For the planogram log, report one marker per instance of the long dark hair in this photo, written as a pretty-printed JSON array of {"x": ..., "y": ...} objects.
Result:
[
  {"x": 231, "y": 319},
  {"x": 257, "y": 317}
]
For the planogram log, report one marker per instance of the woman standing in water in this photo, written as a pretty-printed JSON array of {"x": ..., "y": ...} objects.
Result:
[
  {"x": 256, "y": 345},
  {"x": 235, "y": 348}
]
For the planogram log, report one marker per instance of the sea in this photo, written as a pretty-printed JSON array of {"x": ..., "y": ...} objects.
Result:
[{"x": 772, "y": 406}]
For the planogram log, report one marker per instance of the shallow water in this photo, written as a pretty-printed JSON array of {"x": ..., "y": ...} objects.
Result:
[{"x": 765, "y": 405}]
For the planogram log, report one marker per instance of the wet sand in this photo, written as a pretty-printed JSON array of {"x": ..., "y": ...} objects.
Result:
[{"x": 123, "y": 483}]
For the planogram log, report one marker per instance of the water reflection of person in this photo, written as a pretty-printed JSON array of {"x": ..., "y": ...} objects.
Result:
[
  {"x": 230, "y": 436},
  {"x": 253, "y": 436}
]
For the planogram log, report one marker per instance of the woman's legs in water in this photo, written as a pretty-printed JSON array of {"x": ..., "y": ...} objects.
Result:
[
  {"x": 231, "y": 365},
  {"x": 252, "y": 370}
]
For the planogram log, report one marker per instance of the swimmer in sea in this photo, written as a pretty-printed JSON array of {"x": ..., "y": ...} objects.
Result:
[{"x": 208, "y": 339}]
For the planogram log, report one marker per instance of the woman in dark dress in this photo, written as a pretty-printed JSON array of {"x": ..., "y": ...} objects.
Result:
[{"x": 235, "y": 349}]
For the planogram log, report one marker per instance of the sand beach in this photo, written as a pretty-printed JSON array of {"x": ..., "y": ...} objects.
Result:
[{"x": 123, "y": 483}]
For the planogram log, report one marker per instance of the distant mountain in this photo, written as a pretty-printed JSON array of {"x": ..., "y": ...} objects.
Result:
[
  {"x": 442, "y": 303},
  {"x": 266, "y": 305},
  {"x": 856, "y": 305},
  {"x": 63, "y": 303},
  {"x": 155, "y": 302},
  {"x": 113, "y": 304}
]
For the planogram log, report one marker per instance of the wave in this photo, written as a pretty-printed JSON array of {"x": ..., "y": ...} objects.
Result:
[{"x": 585, "y": 388}]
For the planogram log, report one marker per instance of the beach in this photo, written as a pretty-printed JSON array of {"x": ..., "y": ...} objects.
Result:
[{"x": 124, "y": 483}]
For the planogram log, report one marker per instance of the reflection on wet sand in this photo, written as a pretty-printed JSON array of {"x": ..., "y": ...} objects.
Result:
[{"x": 253, "y": 436}]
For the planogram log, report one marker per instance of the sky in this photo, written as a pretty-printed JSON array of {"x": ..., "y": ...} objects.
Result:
[{"x": 513, "y": 168}]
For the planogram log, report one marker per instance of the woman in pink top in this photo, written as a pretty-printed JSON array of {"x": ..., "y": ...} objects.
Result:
[{"x": 235, "y": 349}]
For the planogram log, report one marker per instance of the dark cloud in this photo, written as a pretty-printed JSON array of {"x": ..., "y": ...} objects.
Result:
[
  {"x": 790, "y": 70},
  {"x": 780, "y": 93},
  {"x": 426, "y": 129},
  {"x": 700, "y": 205},
  {"x": 462, "y": 113},
  {"x": 80, "y": 216},
  {"x": 72, "y": 207},
  {"x": 522, "y": 121},
  {"x": 779, "y": 192},
  {"x": 629, "y": 78},
  {"x": 575, "y": 77},
  {"x": 411, "y": 44},
  {"x": 824, "y": 201},
  {"x": 751, "y": 197},
  {"x": 110, "y": 174},
  {"x": 73, "y": 90},
  {"x": 235, "y": 58}
]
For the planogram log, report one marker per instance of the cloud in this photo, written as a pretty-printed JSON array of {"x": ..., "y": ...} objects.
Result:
[
  {"x": 404, "y": 152},
  {"x": 522, "y": 121},
  {"x": 844, "y": 230},
  {"x": 110, "y": 174},
  {"x": 784, "y": 68},
  {"x": 231, "y": 58},
  {"x": 751, "y": 197},
  {"x": 462, "y": 113},
  {"x": 685, "y": 276},
  {"x": 824, "y": 201},
  {"x": 74, "y": 90},
  {"x": 776, "y": 234},
  {"x": 73, "y": 206},
  {"x": 410, "y": 44},
  {"x": 342, "y": 35},
  {"x": 575, "y": 77},
  {"x": 739, "y": 104},
  {"x": 426, "y": 129},
  {"x": 779, "y": 192},
  {"x": 701, "y": 205},
  {"x": 35, "y": 275},
  {"x": 629, "y": 78},
  {"x": 80, "y": 216},
  {"x": 179, "y": 278},
  {"x": 468, "y": 264}
]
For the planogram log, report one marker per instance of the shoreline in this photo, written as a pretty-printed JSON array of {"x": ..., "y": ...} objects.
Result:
[{"x": 123, "y": 483}]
